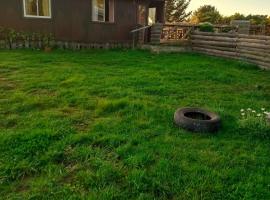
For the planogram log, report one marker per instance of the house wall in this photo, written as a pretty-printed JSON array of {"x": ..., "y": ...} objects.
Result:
[{"x": 71, "y": 20}]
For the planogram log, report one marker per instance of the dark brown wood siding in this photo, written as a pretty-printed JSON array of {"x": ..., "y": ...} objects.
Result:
[{"x": 71, "y": 20}]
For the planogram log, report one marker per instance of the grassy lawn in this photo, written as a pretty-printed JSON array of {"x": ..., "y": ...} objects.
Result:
[{"x": 99, "y": 125}]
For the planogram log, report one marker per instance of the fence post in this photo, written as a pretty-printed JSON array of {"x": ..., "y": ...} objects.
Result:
[{"x": 237, "y": 51}]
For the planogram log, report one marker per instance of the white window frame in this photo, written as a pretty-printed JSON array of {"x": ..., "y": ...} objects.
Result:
[{"x": 37, "y": 16}]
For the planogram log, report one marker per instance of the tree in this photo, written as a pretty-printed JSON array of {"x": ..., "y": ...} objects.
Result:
[
  {"x": 206, "y": 13},
  {"x": 176, "y": 10},
  {"x": 254, "y": 19},
  {"x": 238, "y": 16},
  {"x": 257, "y": 19}
]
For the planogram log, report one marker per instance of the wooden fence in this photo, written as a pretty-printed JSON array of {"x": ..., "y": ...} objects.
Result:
[
  {"x": 259, "y": 30},
  {"x": 250, "y": 48},
  {"x": 175, "y": 32}
]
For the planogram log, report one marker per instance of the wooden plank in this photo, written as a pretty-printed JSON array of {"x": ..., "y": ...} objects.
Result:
[
  {"x": 213, "y": 38},
  {"x": 253, "y": 45},
  {"x": 247, "y": 40},
  {"x": 255, "y": 53},
  {"x": 255, "y": 50},
  {"x": 260, "y": 64},
  {"x": 233, "y": 35},
  {"x": 254, "y": 57},
  {"x": 230, "y": 49},
  {"x": 175, "y": 42},
  {"x": 214, "y": 43},
  {"x": 258, "y": 37}
]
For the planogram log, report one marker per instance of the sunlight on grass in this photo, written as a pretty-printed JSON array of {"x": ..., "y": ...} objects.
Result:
[{"x": 99, "y": 125}]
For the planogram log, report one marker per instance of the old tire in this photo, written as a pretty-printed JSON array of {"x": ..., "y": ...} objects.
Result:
[{"x": 197, "y": 120}]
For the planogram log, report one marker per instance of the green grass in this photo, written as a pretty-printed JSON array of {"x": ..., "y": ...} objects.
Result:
[{"x": 99, "y": 125}]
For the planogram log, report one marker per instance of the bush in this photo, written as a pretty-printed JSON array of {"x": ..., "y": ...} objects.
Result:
[
  {"x": 206, "y": 27},
  {"x": 13, "y": 37}
]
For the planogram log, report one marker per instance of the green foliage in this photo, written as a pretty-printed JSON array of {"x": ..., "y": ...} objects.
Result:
[
  {"x": 47, "y": 40},
  {"x": 258, "y": 19},
  {"x": 12, "y": 37},
  {"x": 176, "y": 10},
  {"x": 99, "y": 125},
  {"x": 1, "y": 32},
  {"x": 206, "y": 27},
  {"x": 237, "y": 16},
  {"x": 254, "y": 19},
  {"x": 210, "y": 14},
  {"x": 206, "y": 13}
]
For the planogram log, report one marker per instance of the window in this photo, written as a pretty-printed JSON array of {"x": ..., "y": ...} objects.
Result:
[
  {"x": 152, "y": 16},
  {"x": 141, "y": 14},
  {"x": 37, "y": 8},
  {"x": 103, "y": 10}
]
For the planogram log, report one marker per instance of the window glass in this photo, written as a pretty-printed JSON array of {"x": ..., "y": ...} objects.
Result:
[
  {"x": 98, "y": 11},
  {"x": 151, "y": 16},
  {"x": 37, "y": 8},
  {"x": 44, "y": 8},
  {"x": 103, "y": 10},
  {"x": 142, "y": 14},
  {"x": 31, "y": 7}
]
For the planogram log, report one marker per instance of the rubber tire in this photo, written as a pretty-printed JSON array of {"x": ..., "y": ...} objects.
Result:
[{"x": 196, "y": 125}]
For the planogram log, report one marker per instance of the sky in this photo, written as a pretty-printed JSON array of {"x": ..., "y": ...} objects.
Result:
[{"x": 228, "y": 7}]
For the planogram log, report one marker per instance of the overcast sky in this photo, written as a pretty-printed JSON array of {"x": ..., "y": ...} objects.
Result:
[{"x": 227, "y": 7}]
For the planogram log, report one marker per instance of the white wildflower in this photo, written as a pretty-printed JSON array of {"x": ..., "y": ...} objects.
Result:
[
  {"x": 263, "y": 109},
  {"x": 266, "y": 113},
  {"x": 259, "y": 115},
  {"x": 242, "y": 110},
  {"x": 253, "y": 111},
  {"x": 243, "y": 114}
]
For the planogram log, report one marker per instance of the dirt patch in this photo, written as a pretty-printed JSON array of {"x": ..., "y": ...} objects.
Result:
[
  {"x": 80, "y": 119},
  {"x": 24, "y": 185},
  {"x": 43, "y": 92},
  {"x": 70, "y": 175},
  {"x": 6, "y": 84}
]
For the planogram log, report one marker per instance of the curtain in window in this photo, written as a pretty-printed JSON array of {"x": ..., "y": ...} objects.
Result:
[
  {"x": 44, "y": 8},
  {"x": 142, "y": 14},
  {"x": 31, "y": 7},
  {"x": 98, "y": 10},
  {"x": 37, "y": 7}
]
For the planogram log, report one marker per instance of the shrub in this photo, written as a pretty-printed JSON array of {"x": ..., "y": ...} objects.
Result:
[
  {"x": 1, "y": 32},
  {"x": 13, "y": 37},
  {"x": 206, "y": 27}
]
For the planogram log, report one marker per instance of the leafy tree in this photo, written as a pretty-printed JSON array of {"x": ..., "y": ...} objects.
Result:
[
  {"x": 237, "y": 16},
  {"x": 206, "y": 13},
  {"x": 176, "y": 10},
  {"x": 254, "y": 19},
  {"x": 257, "y": 19}
]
